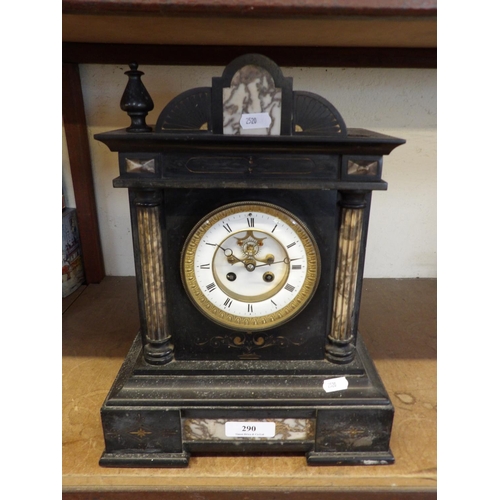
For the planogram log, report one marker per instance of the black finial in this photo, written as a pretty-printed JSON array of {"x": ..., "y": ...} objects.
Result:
[{"x": 136, "y": 100}]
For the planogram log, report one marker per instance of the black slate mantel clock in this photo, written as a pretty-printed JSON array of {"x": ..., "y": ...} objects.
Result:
[{"x": 249, "y": 204}]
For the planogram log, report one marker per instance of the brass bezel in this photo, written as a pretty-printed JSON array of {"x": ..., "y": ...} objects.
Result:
[{"x": 243, "y": 323}]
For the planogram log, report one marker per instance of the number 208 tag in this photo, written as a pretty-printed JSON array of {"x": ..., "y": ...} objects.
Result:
[{"x": 250, "y": 429}]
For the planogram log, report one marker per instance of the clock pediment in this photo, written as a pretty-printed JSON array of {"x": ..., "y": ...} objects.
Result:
[{"x": 251, "y": 85}]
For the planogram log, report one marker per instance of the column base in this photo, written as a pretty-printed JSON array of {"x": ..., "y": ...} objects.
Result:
[
  {"x": 340, "y": 351},
  {"x": 158, "y": 353}
]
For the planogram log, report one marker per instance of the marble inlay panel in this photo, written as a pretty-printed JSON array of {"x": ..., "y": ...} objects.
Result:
[
  {"x": 362, "y": 167},
  {"x": 140, "y": 166},
  {"x": 252, "y": 90},
  {"x": 287, "y": 429}
]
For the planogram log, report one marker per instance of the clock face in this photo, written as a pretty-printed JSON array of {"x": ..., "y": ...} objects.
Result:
[{"x": 250, "y": 266}]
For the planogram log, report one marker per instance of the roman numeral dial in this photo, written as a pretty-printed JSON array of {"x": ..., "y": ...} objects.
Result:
[{"x": 250, "y": 266}]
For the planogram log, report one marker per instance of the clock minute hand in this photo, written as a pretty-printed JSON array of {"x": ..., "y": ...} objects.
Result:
[{"x": 286, "y": 260}]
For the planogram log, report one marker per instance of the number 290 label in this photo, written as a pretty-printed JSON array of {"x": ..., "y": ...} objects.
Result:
[{"x": 250, "y": 429}]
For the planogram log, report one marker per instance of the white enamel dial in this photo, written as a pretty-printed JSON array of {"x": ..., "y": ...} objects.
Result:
[{"x": 250, "y": 266}]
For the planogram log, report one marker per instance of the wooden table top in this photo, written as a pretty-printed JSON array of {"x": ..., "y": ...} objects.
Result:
[{"x": 398, "y": 323}]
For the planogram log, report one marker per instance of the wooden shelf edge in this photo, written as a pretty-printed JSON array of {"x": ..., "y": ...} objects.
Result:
[
  {"x": 254, "y": 8},
  {"x": 217, "y": 55}
]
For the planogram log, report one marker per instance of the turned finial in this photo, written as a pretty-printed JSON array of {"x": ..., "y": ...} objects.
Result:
[{"x": 136, "y": 100}]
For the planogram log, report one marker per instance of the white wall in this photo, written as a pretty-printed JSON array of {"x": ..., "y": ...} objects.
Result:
[{"x": 399, "y": 102}]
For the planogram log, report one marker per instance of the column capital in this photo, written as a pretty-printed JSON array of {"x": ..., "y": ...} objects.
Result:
[
  {"x": 353, "y": 199},
  {"x": 148, "y": 198}
]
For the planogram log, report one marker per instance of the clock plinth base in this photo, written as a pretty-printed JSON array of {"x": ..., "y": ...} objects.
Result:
[
  {"x": 157, "y": 416},
  {"x": 137, "y": 459},
  {"x": 356, "y": 458}
]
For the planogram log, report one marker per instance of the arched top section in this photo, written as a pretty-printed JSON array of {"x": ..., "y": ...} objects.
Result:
[
  {"x": 249, "y": 74},
  {"x": 252, "y": 87},
  {"x": 257, "y": 60},
  {"x": 252, "y": 92}
]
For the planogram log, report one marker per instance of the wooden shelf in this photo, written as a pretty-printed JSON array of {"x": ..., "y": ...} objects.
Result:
[
  {"x": 301, "y": 23},
  {"x": 398, "y": 322}
]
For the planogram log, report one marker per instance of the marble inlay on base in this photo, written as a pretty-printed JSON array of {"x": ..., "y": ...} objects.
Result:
[
  {"x": 252, "y": 90},
  {"x": 287, "y": 429}
]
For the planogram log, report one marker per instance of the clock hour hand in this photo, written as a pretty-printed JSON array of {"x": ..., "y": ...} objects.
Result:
[
  {"x": 228, "y": 253},
  {"x": 249, "y": 263}
]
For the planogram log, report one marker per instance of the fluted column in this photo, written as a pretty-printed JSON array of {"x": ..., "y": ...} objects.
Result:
[
  {"x": 156, "y": 337},
  {"x": 340, "y": 346}
]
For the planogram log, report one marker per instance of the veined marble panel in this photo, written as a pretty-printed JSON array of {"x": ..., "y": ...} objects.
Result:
[
  {"x": 252, "y": 90},
  {"x": 287, "y": 429}
]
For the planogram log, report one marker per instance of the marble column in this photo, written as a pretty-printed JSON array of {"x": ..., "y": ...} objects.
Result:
[
  {"x": 158, "y": 348},
  {"x": 340, "y": 347}
]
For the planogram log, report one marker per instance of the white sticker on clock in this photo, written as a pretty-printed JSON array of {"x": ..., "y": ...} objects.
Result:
[
  {"x": 250, "y": 429},
  {"x": 335, "y": 384},
  {"x": 255, "y": 120}
]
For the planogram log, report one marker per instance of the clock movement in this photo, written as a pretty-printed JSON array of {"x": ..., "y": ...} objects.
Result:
[{"x": 249, "y": 204}]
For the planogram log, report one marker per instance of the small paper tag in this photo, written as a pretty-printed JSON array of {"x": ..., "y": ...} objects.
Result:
[
  {"x": 335, "y": 384},
  {"x": 255, "y": 120},
  {"x": 250, "y": 429}
]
